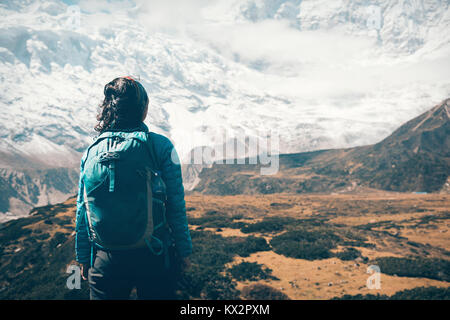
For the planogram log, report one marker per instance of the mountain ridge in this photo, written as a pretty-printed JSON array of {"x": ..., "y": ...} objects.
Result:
[
  {"x": 415, "y": 157},
  {"x": 23, "y": 189},
  {"x": 321, "y": 72},
  {"x": 53, "y": 75}
]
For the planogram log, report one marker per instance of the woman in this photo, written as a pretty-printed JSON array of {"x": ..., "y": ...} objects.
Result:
[{"x": 150, "y": 265}]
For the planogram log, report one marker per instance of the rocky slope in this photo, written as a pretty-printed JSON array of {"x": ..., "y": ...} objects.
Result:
[
  {"x": 244, "y": 241},
  {"x": 415, "y": 157},
  {"x": 22, "y": 190}
]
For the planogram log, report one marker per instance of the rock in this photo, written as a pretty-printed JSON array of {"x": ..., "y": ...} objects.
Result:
[{"x": 27, "y": 188}]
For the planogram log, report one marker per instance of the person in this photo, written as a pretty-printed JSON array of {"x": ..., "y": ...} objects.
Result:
[{"x": 113, "y": 273}]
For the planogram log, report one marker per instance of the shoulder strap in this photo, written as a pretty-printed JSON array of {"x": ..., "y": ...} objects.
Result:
[
  {"x": 102, "y": 136},
  {"x": 97, "y": 140},
  {"x": 149, "y": 143}
]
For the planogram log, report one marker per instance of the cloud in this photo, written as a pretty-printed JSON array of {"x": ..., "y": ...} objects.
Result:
[
  {"x": 322, "y": 73},
  {"x": 112, "y": 7},
  {"x": 316, "y": 64},
  {"x": 172, "y": 15}
]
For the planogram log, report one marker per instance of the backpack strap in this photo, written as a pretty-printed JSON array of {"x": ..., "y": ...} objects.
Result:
[
  {"x": 102, "y": 136},
  {"x": 150, "y": 145},
  {"x": 162, "y": 248},
  {"x": 99, "y": 138}
]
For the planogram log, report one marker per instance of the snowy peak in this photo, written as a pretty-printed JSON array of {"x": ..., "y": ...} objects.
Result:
[
  {"x": 416, "y": 157},
  {"x": 315, "y": 69},
  {"x": 323, "y": 74},
  {"x": 400, "y": 26}
]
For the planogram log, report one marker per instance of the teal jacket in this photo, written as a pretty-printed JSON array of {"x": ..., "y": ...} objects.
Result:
[{"x": 175, "y": 205}]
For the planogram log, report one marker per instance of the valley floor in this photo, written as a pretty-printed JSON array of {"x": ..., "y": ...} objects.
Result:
[
  {"x": 401, "y": 225},
  {"x": 296, "y": 246}
]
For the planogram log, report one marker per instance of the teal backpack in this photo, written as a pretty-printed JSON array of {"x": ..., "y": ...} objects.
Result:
[{"x": 124, "y": 193}]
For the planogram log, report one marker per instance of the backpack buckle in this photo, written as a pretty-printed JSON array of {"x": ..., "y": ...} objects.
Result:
[{"x": 108, "y": 156}]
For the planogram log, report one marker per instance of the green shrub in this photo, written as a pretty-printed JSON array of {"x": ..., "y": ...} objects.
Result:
[
  {"x": 13, "y": 230},
  {"x": 58, "y": 238},
  {"x": 305, "y": 244},
  {"x": 210, "y": 254},
  {"x": 356, "y": 243},
  {"x": 221, "y": 288},
  {"x": 47, "y": 277},
  {"x": 215, "y": 219},
  {"x": 63, "y": 221},
  {"x": 348, "y": 254},
  {"x": 245, "y": 246},
  {"x": 206, "y": 283},
  {"x": 420, "y": 293},
  {"x": 210, "y": 249},
  {"x": 431, "y": 268},
  {"x": 260, "y": 291},
  {"x": 423, "y": 293},
  {"x": 353, "y": 236},
  {"x": 211, "y": 221},
  {"x": 42, "y": 236},
  {"x": 270, "y": 224},
  {"x": 250, "y": 271}
]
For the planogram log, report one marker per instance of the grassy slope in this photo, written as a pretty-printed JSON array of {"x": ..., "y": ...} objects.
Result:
[{"x": 302, "y": 247}]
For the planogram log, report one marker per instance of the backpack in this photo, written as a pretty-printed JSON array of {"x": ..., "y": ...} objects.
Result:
[{"x": 124, "y": 194}]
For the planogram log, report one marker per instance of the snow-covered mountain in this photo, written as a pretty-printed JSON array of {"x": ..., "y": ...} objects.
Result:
[
  {"x": 24, "y": 189},
  {"x": 324, "y": 74}
]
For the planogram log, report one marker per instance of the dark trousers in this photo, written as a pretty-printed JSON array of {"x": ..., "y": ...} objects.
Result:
[{"x": 115, "y": 273}]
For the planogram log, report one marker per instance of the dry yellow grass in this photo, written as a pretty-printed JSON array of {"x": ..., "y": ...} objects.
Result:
[{"x": 328, "y": 278}]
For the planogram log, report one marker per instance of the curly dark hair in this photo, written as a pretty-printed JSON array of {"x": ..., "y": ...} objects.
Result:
[{"x": 123, "y": 106}]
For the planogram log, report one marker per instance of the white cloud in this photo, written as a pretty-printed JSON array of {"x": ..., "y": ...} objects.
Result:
[
  {"x": 324, "y": 63},
  {"x": 171, "y": 15}
]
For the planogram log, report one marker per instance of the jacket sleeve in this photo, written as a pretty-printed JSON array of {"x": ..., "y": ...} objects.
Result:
[
  {"x": 175, "y": 204},
  {"x": 82, "y": 243}
]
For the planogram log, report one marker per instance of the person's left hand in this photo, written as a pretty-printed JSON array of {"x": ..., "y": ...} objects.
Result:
[{"x": 84, "y": 271}]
